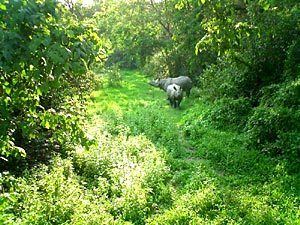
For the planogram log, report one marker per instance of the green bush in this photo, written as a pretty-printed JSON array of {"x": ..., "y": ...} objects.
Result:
[
  {"x": 157, "y": 66},
  {"x": 156, "y": 127},
  {"x": 111, "y": 75},
  {"x": 274, "y": 126},
  {"x": 129, "y": 171},
  {"x": 224, "y": 114},
  {"x": 275, "y": 131},
  {"x": 114, "y": 76},
  {"x": 260, "y": 75},
  {"x": 131, "y": 189},
  {"x": 53, "y": 195},
  {"x": 45, "y": 56},
  {"x": 229, "y": 113},
  {"x": 225, "y": 79}
]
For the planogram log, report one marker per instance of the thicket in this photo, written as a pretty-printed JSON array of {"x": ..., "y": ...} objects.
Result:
[
  {"x": 131, "y": 29},
  {"x": 46, "y": 54},
  {"x": 258, "y": 72}
]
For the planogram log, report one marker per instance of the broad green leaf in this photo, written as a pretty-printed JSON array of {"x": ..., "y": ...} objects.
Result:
[
  {"x": 47, "y": 125},
  {"x": 39, "y": 91},
  {"x": 266, "y": 6},
  {"x": 179, "y": 5},
  {"x": 7, "y": 90},
  {"x": 2, "y": 7}
]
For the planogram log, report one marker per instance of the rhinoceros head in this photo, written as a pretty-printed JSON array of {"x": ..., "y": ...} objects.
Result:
[{"x": 155, "y": 83}]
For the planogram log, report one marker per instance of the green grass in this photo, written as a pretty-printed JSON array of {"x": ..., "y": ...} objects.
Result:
[
  {"x": 242, "y": 185},
  {"x": 155, "y": 165},
  {"x": 134, "y": 92}
]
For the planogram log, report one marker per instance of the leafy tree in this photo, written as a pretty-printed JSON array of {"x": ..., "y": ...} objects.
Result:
[
  {"x": 131, "y": 28},
  {"x": 45, "y": 56}
]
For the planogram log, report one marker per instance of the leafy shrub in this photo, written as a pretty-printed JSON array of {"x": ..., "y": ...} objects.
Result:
[
  {"x": 225, "y": 113},
  {"x": 292, "y": 62},
  {"x": 114, "y": 76},
  {"x": 274, "y": 126},
  {"x": 110, "y": 75},
  {"x": 53, "y": 195},
  {"x": 123, "y": 59},
  {"x": 187, "y": 209},
  {"x": 129, "y": 171},
  {"x": 275, "y": 131},
  {"x": 285, "y": 94},
  {"x": 7, "y": 196},
  {"x": 157, "y": 66},
  {"x": 230, "y": 113},
  {"x": 44, "y": 59},
  {"x": 225, "y": 79},
  {"x": 155, "y": 126},
  {"x": 122, "y": 179},
  {"x": 265, "y": 73}
]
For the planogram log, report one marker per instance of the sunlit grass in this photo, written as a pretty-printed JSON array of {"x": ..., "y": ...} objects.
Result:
[
  {"x": 213, "y": 178},
  {"x": 134, "y": 92}
]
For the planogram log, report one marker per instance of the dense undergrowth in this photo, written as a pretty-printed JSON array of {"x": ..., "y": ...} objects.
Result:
[{"x": 151, "y": 164}]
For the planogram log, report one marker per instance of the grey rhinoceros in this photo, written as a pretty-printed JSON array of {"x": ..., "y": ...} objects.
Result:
[
  {"x": 183, "y": 81},
  {"x": 175, "y": 95}
]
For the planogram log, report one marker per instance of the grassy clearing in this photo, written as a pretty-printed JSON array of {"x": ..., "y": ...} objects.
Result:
[
  {"x": 134, "y": 92},
  {"x": 231, "y": 184},
  {"x": 151, "y": 164}
]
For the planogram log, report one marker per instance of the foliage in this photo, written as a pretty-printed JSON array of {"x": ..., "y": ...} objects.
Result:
[
  {"x": 131, "y": 28},
  {"x": 114, "y": 76},
  {"x": 53, "y": 195},
  {"x": 258, "y": 62},
  {"x": 190, "y": 173},
  {"x": 119, "y": 180},
  {"x": 44, "y": 59},
  {"x": 225, "y": 79},
  {"x": 156, "y": 127},
  {"x": 228, "y": 112},
  {"x": 156, "y": 66},
  {"x": 130, "y": 169},
  {"x": 274, "y": 126}
]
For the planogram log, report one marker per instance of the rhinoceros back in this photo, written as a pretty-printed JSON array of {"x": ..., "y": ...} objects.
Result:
[{"x": 183, "y": 81}]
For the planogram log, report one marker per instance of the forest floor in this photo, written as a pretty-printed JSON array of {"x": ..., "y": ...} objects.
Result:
[{"x": 210, "y": 179}]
